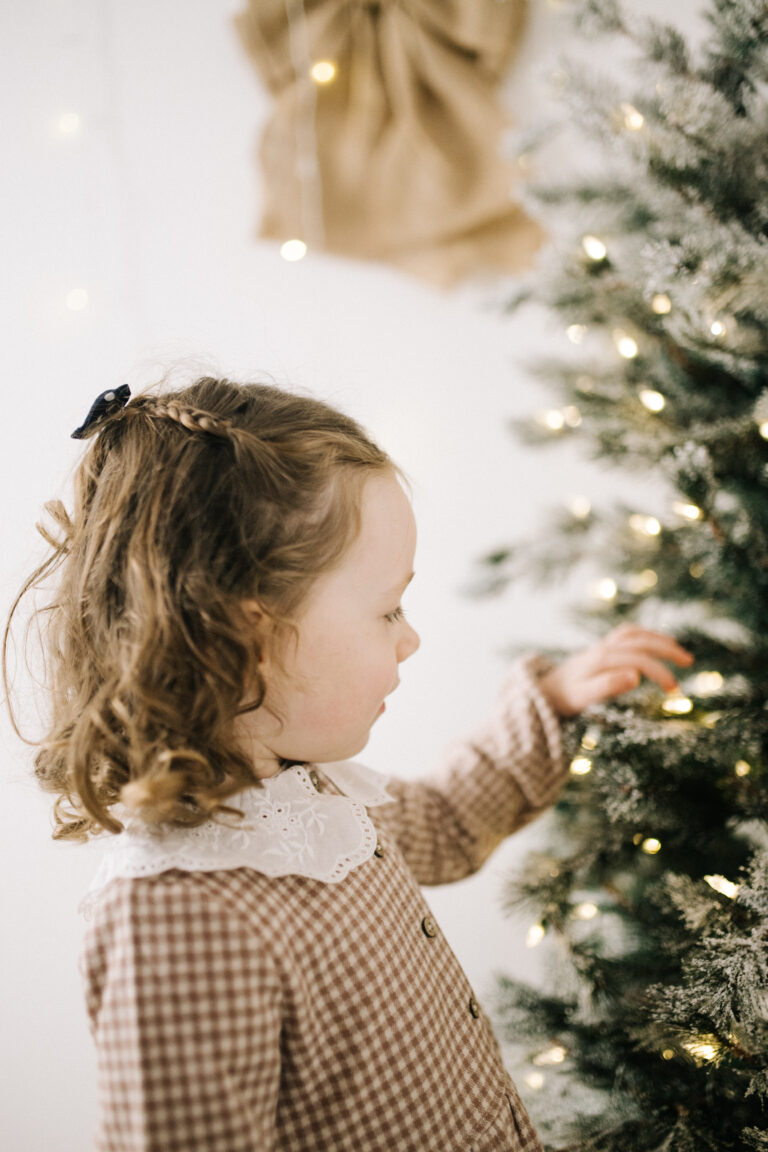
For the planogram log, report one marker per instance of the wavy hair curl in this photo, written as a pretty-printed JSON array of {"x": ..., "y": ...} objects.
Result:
[{"x": 186, "y": 503}]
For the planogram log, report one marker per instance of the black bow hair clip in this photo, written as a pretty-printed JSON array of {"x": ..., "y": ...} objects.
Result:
[{"x": 104, "y": 405}]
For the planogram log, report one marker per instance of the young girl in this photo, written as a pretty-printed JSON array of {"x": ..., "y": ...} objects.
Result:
[{"x": 261, "y": 969}]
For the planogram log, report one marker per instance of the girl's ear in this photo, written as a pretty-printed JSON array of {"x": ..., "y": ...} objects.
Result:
[{"x": 254, "y": 612}]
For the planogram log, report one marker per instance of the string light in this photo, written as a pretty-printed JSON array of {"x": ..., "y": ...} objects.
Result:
[
  {"x": 643, "y": 581},
  {"x": 554, "y": 420},
  {"x": 554, "y": 1055},
  {"x": 323, "y": 71},
  {"x": 579, "y": 507},
  {"x": 576, "y": 333},
  {"x": 69, "y": 124},
  {"x": 710, "y": 719},
  {"x": 651, "y": 399},
  {"x": 763, "y": 430},
  {"x": 633, "y": 120},
  {"x": 606, "y": 589},
  {"x": 689, "y": 511},
  {"x": 707, "y": 682},
  {"x": 535, "y": 935},
  {"x": 661, "y": 304},
  {"x": 594, "y": 248},
  {"x": 723, "y": 886},
  {"x": 742, "y": 768},
  {"x": 534, "y": 1080},
  {"x": 580, "y": 765},
  {"x": 651, "y": 846},
  {"x": 572, "y": 416},
  {"x": 76, "y": 299},
  {"x": 717, "y": 328},
  {"x": 644, "y": 525},
  {"x": 626, "y": 346},
  {"x": 668, "y": 1054},
  {"x": 590, "y": 738},
  {"x": 586, "y": 911},
  {"x": 702, "y": 1047},
  {"x": 293, "y": 250},
  {"x": 676, "y": 705}
]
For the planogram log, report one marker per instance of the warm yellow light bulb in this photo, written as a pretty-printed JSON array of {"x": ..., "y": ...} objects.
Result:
[
  {"x": 580, "y": 507},
  {"x": 633, "y": 120},
  {"x": 689, "y": 511},
  {"x": 606, "y": 589},
  {"x": 661, "y": 304},
  {"x": 668, "y": 1054},
  {"x": 534, "y": 1080},
  {"x": 763, "y": 430},
  {"x": 707, "y": 682},
  {"x": 586, "y": 911},
  {"x": 652, "y": 400},
  {"x": 702, "y": 1048},
  {"x": 644, "y": 525},
  {"x": 717, "y": 328},
  {"x": 576, "y": 333},
  {"x": 535, "y": 935},
  {"x": 676, "y": 705},
  {"x": 293, "y": 250},
  {"x": 572, "y": 416},
  {"x": 323, "y": 71},
  {"x": 643, "y": 581},
  {"x": 742, "y": 768},
  {"x": 580, "y": 765},
  {"x": 553, "y": 420},
  {"x": 590, "y": 738},
  {"x": 651, "y": 845},
  {"x": 723, "y": 886},
  {"x": 594, "y": 248},
  {"x": 554, "y": 1055},
  {"x": 626, "y": 346}
]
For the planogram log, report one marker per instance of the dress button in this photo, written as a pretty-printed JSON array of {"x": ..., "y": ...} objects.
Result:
[
  {"x": 428, "y": 926},
  {"x": 474, "y": 1007},
  {"x": 378, "y": 851},
  {"x": 315, "y": 779}
]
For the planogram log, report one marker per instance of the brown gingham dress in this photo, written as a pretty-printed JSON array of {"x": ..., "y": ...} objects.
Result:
[{"x": 237, "y": 1012}]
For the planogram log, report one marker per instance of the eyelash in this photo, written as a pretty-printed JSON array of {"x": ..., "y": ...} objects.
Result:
[{"x": 393, "y": 617}]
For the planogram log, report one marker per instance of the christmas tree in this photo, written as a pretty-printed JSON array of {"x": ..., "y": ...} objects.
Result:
[{"x": 652, "y": 902}]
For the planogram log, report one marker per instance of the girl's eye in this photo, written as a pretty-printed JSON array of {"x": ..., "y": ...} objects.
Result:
[{"x": 393, "y": 617}]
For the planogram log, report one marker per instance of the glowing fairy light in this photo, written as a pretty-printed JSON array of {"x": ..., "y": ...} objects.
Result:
[
  {"x": 534, "y": 1080},
  {"x": 723, "y": 886},
  {"x": 688, "y": 511},
  {"x": 742, "y": 768},
  {"x": 717, "y": 328},
  {"x": 763, "y": 429},
  {"x": 651, "y": 399},
  {"x": 293, "y": 250},
  {"x": 323, "y": 71},
  {"x": 590, "y": 738},
  {"x": 676, "y": 705},
  {"x": 579, "y": 507},
  {"x": 594, "y": 248},
  {"x": 69, "y": 124},
  {"x": 554, "y": 1055},
  {"x": 644, "y": 525},
  {"x": 702, "y": 1047},
  {"x": 576, "y": 333},
  {"x": 696, "y": 570},
  {"x": 535, "y": 935},
  {"x": 586, "y": 911},
  {"x": 668, "y": 1054},
  {"x": 554, "y": 420},
  {"x": 606, "y": 589},
  {"x": 580, "y": 765},
  {"x": 76, "y": 299},
  {"x": 651, "y": 845},
  {"x": 572, "y": 416},
  {"x": 639, "y": 582},
  {"x": 625, "y": 345},
  {"x": 633, "y": 120},
  {"x": 661, "y": 304},
  {"x": 707, "y": 682}
]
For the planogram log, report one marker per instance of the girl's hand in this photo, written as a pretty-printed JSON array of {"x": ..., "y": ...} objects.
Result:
[{"x": 614, "y": 665}]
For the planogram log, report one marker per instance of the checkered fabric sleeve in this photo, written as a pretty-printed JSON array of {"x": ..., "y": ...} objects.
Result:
[
  {"x": 185, "y": 1008},
  {"x": 449, "y": 823}
]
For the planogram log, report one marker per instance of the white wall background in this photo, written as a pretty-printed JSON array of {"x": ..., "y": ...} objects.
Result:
[{"x": 151, "y": 209}]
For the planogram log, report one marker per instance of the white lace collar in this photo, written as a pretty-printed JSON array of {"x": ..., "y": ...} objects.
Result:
[{"x": 290, "y": 829}]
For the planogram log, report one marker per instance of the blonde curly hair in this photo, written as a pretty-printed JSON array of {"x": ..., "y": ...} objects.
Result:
[{"x": 186, "y": 503}]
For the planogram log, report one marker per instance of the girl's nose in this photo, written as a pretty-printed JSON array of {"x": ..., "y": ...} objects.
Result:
[{"x": 408, "y": 644}]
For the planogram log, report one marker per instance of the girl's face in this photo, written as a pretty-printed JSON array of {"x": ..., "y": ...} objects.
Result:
[{"x": 328, "y": 688}]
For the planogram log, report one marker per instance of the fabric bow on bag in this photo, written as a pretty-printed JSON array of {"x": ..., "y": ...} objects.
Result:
[{"x": 407, "y": 135}]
